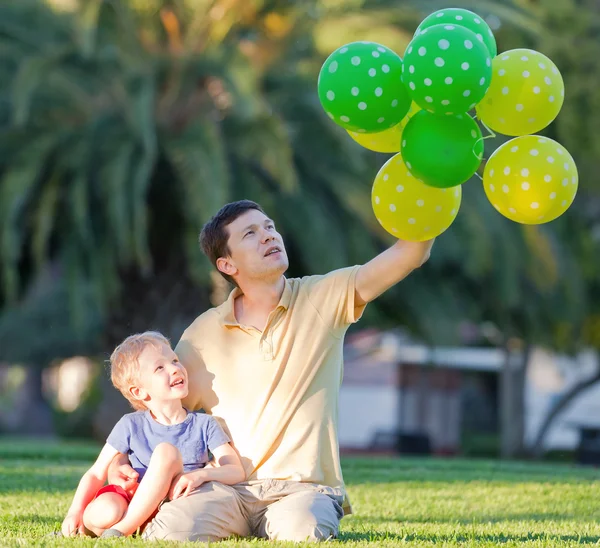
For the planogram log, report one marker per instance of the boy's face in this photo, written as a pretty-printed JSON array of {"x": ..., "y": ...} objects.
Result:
[
  {"x": 256, "y": 248},
  {"x": 162, "y": 377}
]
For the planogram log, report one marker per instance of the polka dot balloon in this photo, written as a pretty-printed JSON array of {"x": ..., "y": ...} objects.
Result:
[
  {"x": 462, "y": 18},
  {"x": 446, "y": 69},
  {"x": 409, "y": 209},
  {"x": 360, "y": 87},
  {"x": 442, "y": 151},
  {"x": 531, "y": 179},
  {"x": 388, "y": 140},
  {"x": 526, "y": 94}
]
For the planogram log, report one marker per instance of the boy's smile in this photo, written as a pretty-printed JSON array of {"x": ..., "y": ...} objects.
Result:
[{"x": 162, "y": 376}]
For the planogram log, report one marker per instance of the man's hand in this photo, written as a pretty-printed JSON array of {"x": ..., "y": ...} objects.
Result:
[
  {"x": 72, "y": 525},
  {"x": 122, "y": 474},
  {"x": 184, "y": 484},
  {"x": 125, "y": 477}
]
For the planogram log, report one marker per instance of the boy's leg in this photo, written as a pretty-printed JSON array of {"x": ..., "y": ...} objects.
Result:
[
  {"x": 165, "y": 464},
  {"x": 212, "y": 512},
  {"x": 103, "y": 512}
]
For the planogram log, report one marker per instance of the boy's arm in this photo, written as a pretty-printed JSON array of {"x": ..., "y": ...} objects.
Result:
[
  {"x": 388, "y": 268},
  {"x": 228, "y": 470},
  {"x": 89, "y": 484}
]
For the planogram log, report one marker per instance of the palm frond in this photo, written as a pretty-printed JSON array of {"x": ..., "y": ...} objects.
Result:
[{"x": 18, "y": 185}]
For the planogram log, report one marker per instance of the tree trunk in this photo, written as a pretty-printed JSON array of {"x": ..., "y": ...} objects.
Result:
[
  {"x": 512, "y": 403},
  {"x": 34, "y": 411},
  {"x": 537, "y": 449}
]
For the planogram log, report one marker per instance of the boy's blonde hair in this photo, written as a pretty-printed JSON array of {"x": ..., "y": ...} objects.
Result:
[{"x": 124, "y": 364}]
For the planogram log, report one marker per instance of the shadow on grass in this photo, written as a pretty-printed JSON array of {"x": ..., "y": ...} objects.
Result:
[
  {"x": 37, "y": 482},
  {"x": 13, "y": 448},
  {"x": 378, "y": 536}
]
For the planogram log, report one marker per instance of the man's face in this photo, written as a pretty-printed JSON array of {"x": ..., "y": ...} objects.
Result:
[{"x": 256, "y": 248}]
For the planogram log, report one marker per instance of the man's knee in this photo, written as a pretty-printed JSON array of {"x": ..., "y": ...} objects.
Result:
[
  {"x": 304, "y": 529},
  {"x": 171, "y": 525},
  {"x": 210, "y": 513},
  {"x": 312, "y": 517}
]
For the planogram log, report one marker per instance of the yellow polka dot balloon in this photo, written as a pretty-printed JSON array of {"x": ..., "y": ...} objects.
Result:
[
  {"x": 531, "y": 179},
  {"x": 526, "y": 93},
  {"x": 408, "y": 208},
  {"x": 388, "y": 140}
]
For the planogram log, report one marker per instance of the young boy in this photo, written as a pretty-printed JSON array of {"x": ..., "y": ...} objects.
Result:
[{"x": 167, "y": 445}]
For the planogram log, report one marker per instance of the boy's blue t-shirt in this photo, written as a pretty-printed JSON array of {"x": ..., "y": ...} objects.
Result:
[{"x": 137, "y": 435}]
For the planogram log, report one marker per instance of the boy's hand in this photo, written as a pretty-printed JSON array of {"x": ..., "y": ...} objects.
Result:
[
  {"x": 72, "y": 525},
  {"x": 184, "y": 484}
]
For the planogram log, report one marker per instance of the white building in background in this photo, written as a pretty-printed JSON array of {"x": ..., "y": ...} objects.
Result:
[
  {"x": 386, "y": 379},
  {"x": 548, "y": 377}
]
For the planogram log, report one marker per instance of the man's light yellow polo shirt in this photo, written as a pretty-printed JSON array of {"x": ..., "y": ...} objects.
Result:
[{"x": 277, "y": 391}]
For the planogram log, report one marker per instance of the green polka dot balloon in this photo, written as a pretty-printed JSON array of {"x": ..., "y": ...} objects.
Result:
[
  {"x": 462, "y": 18},
  {"x": 442, "y": 151},
  {"x": 360, "y": 87},
  {"x": 447, "y": 70}
]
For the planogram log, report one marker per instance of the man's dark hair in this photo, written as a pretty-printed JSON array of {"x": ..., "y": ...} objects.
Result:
[{"x": 214, "y": 236}]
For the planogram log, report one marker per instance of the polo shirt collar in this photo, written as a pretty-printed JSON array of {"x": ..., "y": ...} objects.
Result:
[{"x": 228, "y": 310}]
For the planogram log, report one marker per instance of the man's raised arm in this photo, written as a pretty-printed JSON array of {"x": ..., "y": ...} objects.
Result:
[{"x": 388, "y": 268}]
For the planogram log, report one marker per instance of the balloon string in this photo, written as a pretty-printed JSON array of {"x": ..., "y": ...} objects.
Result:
[
  {"x": 480, "y": 177},
  {"x": 490, "y": 135}
]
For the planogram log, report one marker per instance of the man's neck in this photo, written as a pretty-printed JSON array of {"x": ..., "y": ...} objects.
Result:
[{"x": 257, "y": 301}]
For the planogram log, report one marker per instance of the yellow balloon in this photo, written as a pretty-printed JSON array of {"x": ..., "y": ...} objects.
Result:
[
  {"x": 388, "y": 140},
  {"x": 408, "y": 208},
  {"x": 526, "y": 93},
  {"x": 531, "y": 179}
]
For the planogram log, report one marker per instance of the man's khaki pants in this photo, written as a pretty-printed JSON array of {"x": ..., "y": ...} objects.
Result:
[{"x": 273, "y": 509}]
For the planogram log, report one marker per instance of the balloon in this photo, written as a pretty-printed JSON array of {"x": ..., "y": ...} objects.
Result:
[
  {"x": 531, "y": 179},
  {"x": 462, "y": 18},
  {"x": 360, "y": 87},
  {"x": 388, "y": 140},
  {"x": 443, "y": 151},
  {"x": 409, "y": 209},
  {"x": 526, "y": 94},
  {"x": 446, "y": 69}
]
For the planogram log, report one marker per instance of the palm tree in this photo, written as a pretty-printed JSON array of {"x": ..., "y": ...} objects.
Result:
[
  {"x": 125, "y": 130},
  {"x": 124, "y": 125}
]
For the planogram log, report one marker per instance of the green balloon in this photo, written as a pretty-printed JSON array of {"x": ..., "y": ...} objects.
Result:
[
  {"x": 360, "y": 87},
  {"x": 447, "y": 70},
  {"x": 462, "y": 18},
  {"x": 442, "y": 151}
]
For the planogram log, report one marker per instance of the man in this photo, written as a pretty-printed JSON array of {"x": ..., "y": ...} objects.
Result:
[{"x": 268, "y": 364}]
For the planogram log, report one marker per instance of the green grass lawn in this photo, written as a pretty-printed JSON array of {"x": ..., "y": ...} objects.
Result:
[{"x": 412, "y": 501}]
